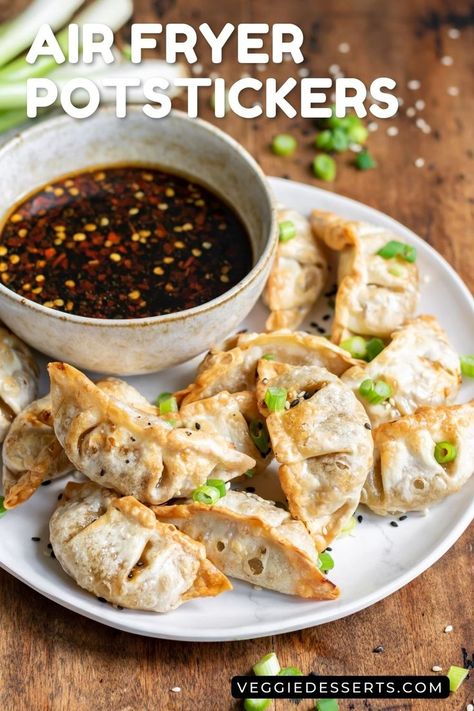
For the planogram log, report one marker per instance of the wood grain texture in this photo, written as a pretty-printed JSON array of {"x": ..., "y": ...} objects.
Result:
[{"x": 54, "y": 660}]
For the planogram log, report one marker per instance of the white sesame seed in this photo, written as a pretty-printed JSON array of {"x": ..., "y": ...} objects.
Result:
[
  {"x": 355, "y": 147},
  {"x": 287, "y": 405},
  {"x": 447, "y": 60},
  {"x": 436, "y": 668},
  {"x": 372, "y": 126},
  {"x": 453, "y": 33},
  {"x": 176, "y": 689},
  {"x": 213, "y": 76},
  {"x": 260, "y": 67},
  {"x": 392, "y": 131},
  {"x": 344, "y": 48},
  {"x": 448, "y": 628},
  {"x": 333, "y": 97},
  {"x": 196, "y": 68},
  {"x": 334, "y": 69},
  {"x": 413, "y": 84},
  {"x": 420, "y": 105},
  {"x": 410, "y": 112},
  {"x": 453, "y": 91},
  {"x": 420, "y": 162},
  {"x": 303, "y": 72},
  {"x": 469, "y": 707},
  {"x": 245, "y": 75},
  {"x": 400, "y": 101}
]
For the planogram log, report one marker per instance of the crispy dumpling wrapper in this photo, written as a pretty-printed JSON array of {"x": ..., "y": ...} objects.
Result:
[
  {"x": 116, "y": 549},
  {"x": 229, "y": 414},
  {"x": 18, "y": 378},
  {"x": 234, "y": 370},
  {"x": 249, "y": 538},
  {"x": 31, "y": 451},
  {"x": 297, "y": 277},
  {"x": 406, "y": 475},
  {"x": 322, "y": 442},
  {"x": 375, "y": 295},
  {"x": 419, "y": 364},
  {"x": 134, "y": 452}
]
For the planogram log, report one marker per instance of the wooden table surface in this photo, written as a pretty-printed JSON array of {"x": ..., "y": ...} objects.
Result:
[{"x": 52, "y": 659}]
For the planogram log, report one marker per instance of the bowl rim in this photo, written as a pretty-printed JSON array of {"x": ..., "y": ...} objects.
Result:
[{"x": 260, "y": 264}]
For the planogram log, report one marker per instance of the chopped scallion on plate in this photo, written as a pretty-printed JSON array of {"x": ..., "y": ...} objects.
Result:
[
  {"x": 357, "y": 346},
  {"x": 256, "y": 704},
  {"x": 374, "y": 347},
  {"x": 325, "y": 562},
  {"x": 349, "y": 527},
  {"x": 393, "y": 248},
  {"x": 275, "y": 399},
  {"x": 3, "y": 510},
  {"x": 364, "y": 161},
  {"x": 375, "y": 391},
  {"x": 259, "y": 436},
  {"x": 290, "y": 671},
  {"x": 206, "y": 495},
  {"x": 326, "y": 705},
  {"x": 268, "y": 356},
  {"x": 467, "y": 365},
  {"x": 286, "y": 231},
  {"x": 166, "y": 403},
  {"x": 218, "y": 484},
  {"x": 445, "y": 452}
]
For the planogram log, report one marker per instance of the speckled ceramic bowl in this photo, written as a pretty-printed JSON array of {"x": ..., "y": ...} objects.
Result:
[{"x": 193, "y": 147}]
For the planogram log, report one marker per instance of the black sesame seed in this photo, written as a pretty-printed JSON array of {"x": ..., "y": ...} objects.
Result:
[
  {"x": 102, "y": 599},
  {"x": 313, "y": 324},
  {"x": 321, "y": 330},
  {"x": 360, "y": 518},
  {"x": 47, "y": 482},
  {"x": 197, "y": 426},
  {"x": 402, "y": 518},
  {"x": 379, "y": 649},
  {"x": 329, "y": 549},
  {"x": 307, "y": 396},
  {"x": 119, "y": 607},
  {"x": 394, "y": 524},
  {"x": 294, "y": 403},
  {"x": 130, "y": 575},
  {"x": 50, "y": 546},
  {"x": 60, "y": 496},
  {"x": 367, "y": 426},
  {"x": 35, "y": 538},
  {"x": 326, "y": 317},
  {"x": 250, "y": 489}
]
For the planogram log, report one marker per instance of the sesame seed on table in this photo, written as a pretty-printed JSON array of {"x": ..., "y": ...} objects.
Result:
[{"x": 52, "y": 659}]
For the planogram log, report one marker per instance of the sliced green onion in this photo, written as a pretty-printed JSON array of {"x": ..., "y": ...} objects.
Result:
[
  {"x": 166, "y": 403},
  {"x": 218, "y": 484},
  {"x": 364, "y": 161},
  {"x": 290, "y": 671},
  {"x": 325, "y": 562},
  {"x": 357, "y": 134},
  {"x": 349, "y": 527},
  {"x": 375, "y": 391},
  {"x": 357, "y": 346},
  {"x": 275, "y": 399},
  {"x": 267, "y": 665},
  {"x": 256, "y": 704},
  {"x": 259, "y": 436},
  {"x": 3, "y": 510},
  {"x": 268, "y": 356},
  {"x": 284, "y": 144},
  {"x": 326, "y": 705},
  {"x": 467, "y": 365},
  {"x": 396, "y": 270},
  {"x": 456, "y": 676},
  {"x": 286, "y": 231},
  {"x": 324, "y": 167},
  {"x": 340, "y": 141},
  {"x": 250, "y": 473},
  {"x": 206, "y": 495},
  {"x": 393, "y": 248},
  {"x": 324, "y": 141},
  {"x": 374, "y": 347},
  {"x": 445, "y": 452}
]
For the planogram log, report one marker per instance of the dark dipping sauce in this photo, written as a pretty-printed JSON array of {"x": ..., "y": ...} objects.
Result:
[{"x": 123, "y": 242}]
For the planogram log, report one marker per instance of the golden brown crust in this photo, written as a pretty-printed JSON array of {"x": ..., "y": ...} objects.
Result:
[{"x": 375, "y": 295}]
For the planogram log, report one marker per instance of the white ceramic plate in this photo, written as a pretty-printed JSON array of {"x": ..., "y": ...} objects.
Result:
[{"x": 369, "y": 565}]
